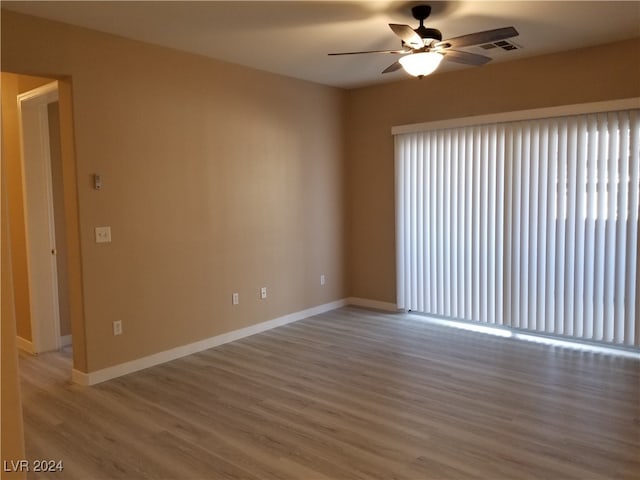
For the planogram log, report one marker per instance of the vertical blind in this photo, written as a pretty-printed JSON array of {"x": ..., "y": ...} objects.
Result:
[{"x": 529, "y": 224}]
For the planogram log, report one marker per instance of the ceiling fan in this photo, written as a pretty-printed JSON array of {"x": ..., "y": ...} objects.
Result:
[{"x": 423, "y": 48}]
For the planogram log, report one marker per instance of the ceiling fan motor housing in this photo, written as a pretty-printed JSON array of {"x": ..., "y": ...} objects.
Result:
[
  {"x": 429, "y": 34},
  {"x": 421, "y": 12}
]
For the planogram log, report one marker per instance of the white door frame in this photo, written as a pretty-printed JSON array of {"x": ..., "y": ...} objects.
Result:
[{"x": 39, "y": 220}]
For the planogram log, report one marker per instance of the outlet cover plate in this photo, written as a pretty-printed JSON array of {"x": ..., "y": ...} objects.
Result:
[
  {"x": 103, "y": 234},
  {"x": 117, "y": 327}
]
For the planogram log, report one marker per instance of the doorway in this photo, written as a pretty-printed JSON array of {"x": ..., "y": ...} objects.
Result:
[{"x": 43, "y": 204}]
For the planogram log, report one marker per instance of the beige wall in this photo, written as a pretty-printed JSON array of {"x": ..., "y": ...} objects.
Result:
[
  {"x": 587, "y": 75},
  {"x": 11, "y": 429},
  {"x": 217, "y": 179}
]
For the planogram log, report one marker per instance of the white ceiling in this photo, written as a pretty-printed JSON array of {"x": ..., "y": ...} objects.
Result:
[{"x": 293, "y": 37}]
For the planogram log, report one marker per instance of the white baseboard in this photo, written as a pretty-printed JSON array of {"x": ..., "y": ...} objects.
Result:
[
  {"x": 374, "y": 304},
  {"x": 25, "y": 345},
  {"x": 115, "y": 371}
]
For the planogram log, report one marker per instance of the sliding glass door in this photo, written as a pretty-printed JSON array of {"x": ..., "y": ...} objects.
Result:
[{"x": 531, "y": 224}]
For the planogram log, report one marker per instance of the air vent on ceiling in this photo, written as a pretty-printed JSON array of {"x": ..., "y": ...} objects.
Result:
[{"x": 503, "y": 44}]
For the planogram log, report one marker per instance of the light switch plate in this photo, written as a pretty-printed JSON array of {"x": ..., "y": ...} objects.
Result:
[{"x": 103, "y": 234}]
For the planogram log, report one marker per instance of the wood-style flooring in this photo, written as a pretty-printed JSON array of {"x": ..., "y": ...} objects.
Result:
[{"x": 349, "y": 394}]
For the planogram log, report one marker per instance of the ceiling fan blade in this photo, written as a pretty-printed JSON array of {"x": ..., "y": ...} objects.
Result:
[
  {"x": 393, "y": 67},
  {"x": 465, "y": 57},
  {"x": 479, "y": 38},
  {"x": 372, "y": 51},
  {"x": 408, "y": 36}
]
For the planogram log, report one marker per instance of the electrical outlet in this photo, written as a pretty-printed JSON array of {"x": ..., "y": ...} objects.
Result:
[
  {"x": 235, "y": 298},
  {"x": 103, "y": 234},
  {"x": 322, "y": 279},
  {"x": 263, "y": 293},
  {"x": 117, "y": 327}
]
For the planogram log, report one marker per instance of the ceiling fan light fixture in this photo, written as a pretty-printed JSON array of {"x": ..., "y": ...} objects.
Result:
[{"x": 421, "y": 64}]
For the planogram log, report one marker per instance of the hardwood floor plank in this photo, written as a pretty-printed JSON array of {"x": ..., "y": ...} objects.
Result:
[{"x": 347, "y": 394}]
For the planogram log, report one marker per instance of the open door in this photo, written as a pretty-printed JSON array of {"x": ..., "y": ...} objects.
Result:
[{"x": 39, "y": 216}]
